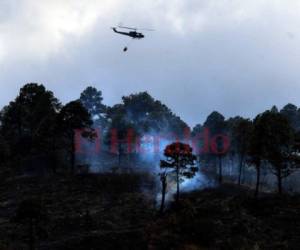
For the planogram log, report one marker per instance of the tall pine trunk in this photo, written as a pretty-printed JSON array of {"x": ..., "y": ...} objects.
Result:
[
  {"x": 163, "y": 192},
  {"x": 177, "y": 180},
  {"x": 279, "y": 180},
  {"x": 240, "y": 169},
  {"x": 119, "y": 155},
  {"x": 73, "y": 153},
  {"x": 257, "y": 180},
  {"x": 220, "y": 170},
  {"x": 53, "y": 155}
]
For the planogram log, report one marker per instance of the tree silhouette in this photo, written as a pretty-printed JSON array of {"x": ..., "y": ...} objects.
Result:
[
  {"x": 241, "y": 132},
  {"x": 149, "y": 115},
  {"x": 91, "y": 99},
  {"x": 4, "y": 151},
  {"x": 180, "y": 160},
  {"x": 28, "y": 122},
  {"x": 216, "y": 124},
  {"x": 274, "y": 140},
  {"x": 163, "y": 179},
  {"x": 278, "y": 144},
  {"x": 256, "y": 149},
  {"x": 142, "y": 114},
  {"x": 74, "y": 116},
  {"x": 290, "y": 112},
  {"x": 120, "y": 126}
]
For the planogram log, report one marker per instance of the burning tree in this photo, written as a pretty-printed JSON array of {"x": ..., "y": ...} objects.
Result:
[{"x": 180, "y": 161}]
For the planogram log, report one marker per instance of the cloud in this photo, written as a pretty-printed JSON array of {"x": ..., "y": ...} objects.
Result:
[
  {"x": 40, "y": 28},
  {"x": 238, "y": 57}
]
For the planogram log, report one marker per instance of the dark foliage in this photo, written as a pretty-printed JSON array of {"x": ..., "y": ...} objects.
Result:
[{"x": 43, "y": 206}]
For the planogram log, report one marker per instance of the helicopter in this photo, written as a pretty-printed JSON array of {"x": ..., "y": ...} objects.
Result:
[{"x": 133, "y": 33}]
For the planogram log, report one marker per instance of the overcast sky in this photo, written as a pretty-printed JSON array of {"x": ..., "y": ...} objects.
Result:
[{"x": 236, "y": 56}]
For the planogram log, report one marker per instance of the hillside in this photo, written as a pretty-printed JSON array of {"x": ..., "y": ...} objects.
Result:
[{"x": 110, "y": 211}]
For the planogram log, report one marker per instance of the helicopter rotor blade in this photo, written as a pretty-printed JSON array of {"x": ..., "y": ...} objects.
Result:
[
  {"x": 147, "y": 29},
  {"x": 129, "y": 28},
  {"x": 135, "y": 29}
]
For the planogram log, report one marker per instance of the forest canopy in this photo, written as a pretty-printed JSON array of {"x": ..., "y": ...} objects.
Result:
[{"x": 40, "y": 134}]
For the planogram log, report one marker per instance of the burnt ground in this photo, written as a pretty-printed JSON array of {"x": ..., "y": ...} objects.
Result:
[{"x": 112, "y": 211}]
